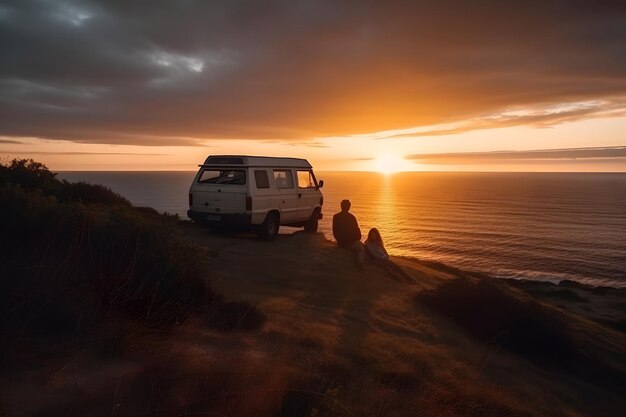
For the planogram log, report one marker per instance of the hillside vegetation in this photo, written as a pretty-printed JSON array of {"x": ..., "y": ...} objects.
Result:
[
  {"x": 113, "y": 310},
  {"x": 77, "y": 257}
]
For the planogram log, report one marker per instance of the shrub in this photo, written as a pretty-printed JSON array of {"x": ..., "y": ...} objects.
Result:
[
  {"x": 91, "y": 193},
  {"x": 75, "y": 255},
  {"x": 492, "y": 314},
  {"x": 65, "y": 262},
  {"x": 28, "y": 174}
]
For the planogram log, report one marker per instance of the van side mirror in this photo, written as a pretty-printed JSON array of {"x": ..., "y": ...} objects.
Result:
[{"x": 320, "y": 184}]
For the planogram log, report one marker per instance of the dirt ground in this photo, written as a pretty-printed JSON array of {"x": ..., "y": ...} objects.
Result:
[{"x": 337, "y": 342}]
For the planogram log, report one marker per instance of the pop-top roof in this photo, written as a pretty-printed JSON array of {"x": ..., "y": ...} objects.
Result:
[{"x": 256, "y": 161}]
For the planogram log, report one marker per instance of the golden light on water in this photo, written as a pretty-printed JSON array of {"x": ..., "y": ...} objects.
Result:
[{"x": 389, "y": 164}]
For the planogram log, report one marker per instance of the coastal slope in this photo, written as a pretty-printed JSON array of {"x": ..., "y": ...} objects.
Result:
[
  {"x": 361, "y": 341},
  {"x": 334, "y": 341}
]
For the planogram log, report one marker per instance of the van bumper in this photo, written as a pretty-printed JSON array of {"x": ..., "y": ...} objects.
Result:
[{"x": 227, "y": 221}]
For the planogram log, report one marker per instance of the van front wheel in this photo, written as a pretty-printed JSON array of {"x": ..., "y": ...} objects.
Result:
[
  {"x": 311, "y": 225},
  {"x": 269, "y": 228}
]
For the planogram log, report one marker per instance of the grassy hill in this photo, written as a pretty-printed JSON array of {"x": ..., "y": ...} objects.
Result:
[
  {"x": 77, "y": 258},
  {"x": 114, "y": 310}
]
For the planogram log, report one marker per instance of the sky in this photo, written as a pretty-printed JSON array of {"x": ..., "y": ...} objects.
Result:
[{"x": 381, "y": 86}]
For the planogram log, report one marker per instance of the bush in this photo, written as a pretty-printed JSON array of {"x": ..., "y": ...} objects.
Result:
[
  {"x": 492, "y": 314},
  {"x": 75, "y": 255},
  {"x": 64, "y": 262},
  {"x": 91, "y": 193},
  {"x": 28, "y": 174}
]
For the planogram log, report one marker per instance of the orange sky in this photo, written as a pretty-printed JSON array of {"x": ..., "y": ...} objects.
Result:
[
  {"x": 349, "y": 85},
  {"x": 366, "y": 152}
]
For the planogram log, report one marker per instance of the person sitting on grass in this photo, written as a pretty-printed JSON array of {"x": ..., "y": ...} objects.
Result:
[
  {"x": 375, "y": 249},
  {"x": 348, "y": 234}
]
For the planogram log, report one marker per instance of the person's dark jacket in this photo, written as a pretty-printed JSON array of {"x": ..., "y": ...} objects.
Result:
[{"x": 345, "y": 229}]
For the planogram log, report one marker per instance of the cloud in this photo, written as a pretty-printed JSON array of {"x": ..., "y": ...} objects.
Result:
[
  {"x": 10, "y": 142},
  {"x": 89, "y": 153},
  {"x": 310, "y": 143},
  {"x": 538, "y": 117},
  {"x": 113, "y": 71},
  {"x": 91, "y": 136},
  {"x": 598, "y": 154}
]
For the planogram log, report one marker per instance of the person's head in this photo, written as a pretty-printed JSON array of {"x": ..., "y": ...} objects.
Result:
[
  {"x": 374, "y": 235},
  {"x": 345, "y": 205}
]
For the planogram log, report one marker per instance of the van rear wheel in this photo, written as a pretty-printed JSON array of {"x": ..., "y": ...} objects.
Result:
[
  {"x": 269, "y": 228},
  {"x": 311, "y": 225}
]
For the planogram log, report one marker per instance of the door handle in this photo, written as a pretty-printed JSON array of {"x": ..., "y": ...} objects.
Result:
[{"x": 299, "y": 195}]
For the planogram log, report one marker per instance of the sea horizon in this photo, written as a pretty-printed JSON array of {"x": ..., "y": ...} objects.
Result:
[{"x": 371, "y": 171}]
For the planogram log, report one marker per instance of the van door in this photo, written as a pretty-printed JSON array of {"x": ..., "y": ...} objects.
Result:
[
  {"x": 285, "y": 184},
  {"x": 265, "y": 197},
  {"x": 220, "y": 190},
  {"x": 308, "y": 193}
]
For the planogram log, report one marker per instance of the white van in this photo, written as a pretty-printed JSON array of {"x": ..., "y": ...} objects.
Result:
[{"x": 256, "y": 193}]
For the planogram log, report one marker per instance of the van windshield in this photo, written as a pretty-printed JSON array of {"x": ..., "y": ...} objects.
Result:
[
  {"x": 306, "y": 179},
  {"x": 222, "y": 176}
]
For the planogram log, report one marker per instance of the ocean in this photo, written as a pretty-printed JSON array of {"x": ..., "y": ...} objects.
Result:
[{"x": 538, "y": 226}]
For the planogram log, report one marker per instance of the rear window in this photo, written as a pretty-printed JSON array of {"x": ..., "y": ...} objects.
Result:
[
  {"x": 222, "y": 176},
  {"x": 262, "y": 180}
]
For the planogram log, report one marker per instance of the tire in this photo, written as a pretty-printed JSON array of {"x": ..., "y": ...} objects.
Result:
[
  {"x": 311, "y": 225},
  {"x": 269, "y": 228}
]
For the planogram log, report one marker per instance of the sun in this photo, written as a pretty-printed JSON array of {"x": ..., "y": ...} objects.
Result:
[{"x": 389, "y": 164}]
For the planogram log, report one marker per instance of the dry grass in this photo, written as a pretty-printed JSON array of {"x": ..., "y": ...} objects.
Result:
[
  {"x": 331, "y": 341},
  {"x": 76, "y": 258}
]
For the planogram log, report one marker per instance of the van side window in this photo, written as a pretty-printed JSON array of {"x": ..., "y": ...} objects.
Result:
[
  {"x": 283, "y": 178},
  {"x": 262, "y": 180},
  {"x": 217, "y": 176},
  {"x": 306, "y": 179}
]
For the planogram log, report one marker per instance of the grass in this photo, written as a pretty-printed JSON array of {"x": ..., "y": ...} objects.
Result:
[
  {"x": 106, "y": 310},
  {"x": 76, "y": 256},
  {"x": 496, "y": 315},
  {"x": 489, "y": 313}
]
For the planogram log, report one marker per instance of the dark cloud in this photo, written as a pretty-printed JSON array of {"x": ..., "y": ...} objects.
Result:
[
  {"x": 162, "y": 72},
  {"x": 89, "y": 153},
  {"x": 599, "y": 154},
  {"x": 10, "y": 142}
]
